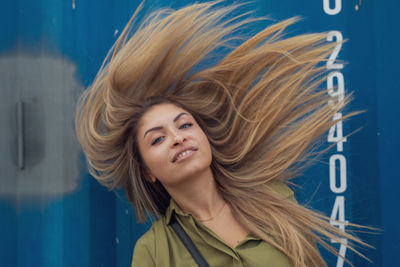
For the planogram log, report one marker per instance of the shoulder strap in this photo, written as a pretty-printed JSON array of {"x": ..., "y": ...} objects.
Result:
[{"x": 190, "y": 246}]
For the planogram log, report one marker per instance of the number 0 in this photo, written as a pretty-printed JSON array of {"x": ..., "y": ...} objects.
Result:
[
  {"x": 342, "y": 173},
  {"x": 336, "y": 8}
]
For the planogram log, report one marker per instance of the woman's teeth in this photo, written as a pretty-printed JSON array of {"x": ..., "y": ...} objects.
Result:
[{"x": 183, "y": 154}]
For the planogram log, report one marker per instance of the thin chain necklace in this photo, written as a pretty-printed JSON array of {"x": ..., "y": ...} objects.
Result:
[{"x": 209, "y": 219}]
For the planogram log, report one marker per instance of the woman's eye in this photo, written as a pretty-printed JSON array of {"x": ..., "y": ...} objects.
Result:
[
  {"x": 157, "y": 140},
  {"x": 185, "y": 125}
]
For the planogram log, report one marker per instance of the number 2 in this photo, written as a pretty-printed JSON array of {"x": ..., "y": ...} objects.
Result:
[{"x": 339, "y": 39}]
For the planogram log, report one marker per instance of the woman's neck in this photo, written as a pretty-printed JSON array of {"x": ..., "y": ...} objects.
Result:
[{"x": 198, "y": 196}]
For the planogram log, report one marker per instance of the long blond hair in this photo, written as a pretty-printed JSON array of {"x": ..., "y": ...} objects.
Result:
[{"x": 259, "y": 106}]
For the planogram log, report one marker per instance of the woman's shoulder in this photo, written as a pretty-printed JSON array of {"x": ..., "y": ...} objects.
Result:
[
  {"x": 145, "y": 247},
  {"x": 148, "y": 238},
  {"x": 282, "y": 189}
]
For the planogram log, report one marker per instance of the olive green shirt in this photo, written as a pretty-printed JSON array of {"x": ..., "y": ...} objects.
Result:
[{"x": 161, "y": 247}]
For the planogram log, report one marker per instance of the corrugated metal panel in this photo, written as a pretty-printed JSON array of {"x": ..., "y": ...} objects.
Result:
[{"x": 54, "y": 214}]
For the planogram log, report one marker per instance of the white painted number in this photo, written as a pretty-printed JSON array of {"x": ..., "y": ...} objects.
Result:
[
  {"x": 335, "y": 91},
  {"x": 335, "y": 86},
  {"x": 338, "y": 219},
  {"x": 336, "y": 8},
  {"x": 341, "y": 188},
  {"x": 330, "y": 64},
  {"x": 335, "y": 134},
  {"x": 338, "y": 214},
  {"x": 342, "y": 253}
]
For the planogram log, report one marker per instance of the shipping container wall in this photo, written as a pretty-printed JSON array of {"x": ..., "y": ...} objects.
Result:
[{"x": 53, "y": 213}]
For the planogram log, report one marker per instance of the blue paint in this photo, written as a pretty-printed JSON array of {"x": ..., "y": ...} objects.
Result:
[
  {"x": 77, "y": 228},
  {"x": 29, "y": 234},
  {"x": 82, "y": 228},
  {"x": 8, "y": 25},
  {"x": 102, "y": 247},
  {"x": 388, "y": 97},
  {"x": 52, "y": 233},
  {"x": 8, "y": 232},
  {"x": 364, "y": 145}
]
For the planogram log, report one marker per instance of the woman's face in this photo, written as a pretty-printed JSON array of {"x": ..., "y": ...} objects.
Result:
[{"x": 172, "y": 144}]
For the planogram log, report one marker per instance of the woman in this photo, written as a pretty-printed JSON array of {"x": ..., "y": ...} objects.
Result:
[{"x": 212, "y": 148}]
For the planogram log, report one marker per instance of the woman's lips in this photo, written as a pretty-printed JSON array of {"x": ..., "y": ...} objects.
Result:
[{"x": 183, "y": 154}]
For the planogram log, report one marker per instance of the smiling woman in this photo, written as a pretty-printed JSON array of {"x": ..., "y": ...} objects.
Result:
[
  {"x": 173, "y": 146},
  {"x": 212, "y": 149}
]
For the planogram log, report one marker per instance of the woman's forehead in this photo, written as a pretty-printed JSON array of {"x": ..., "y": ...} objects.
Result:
[{"x": 161, "y": 114}]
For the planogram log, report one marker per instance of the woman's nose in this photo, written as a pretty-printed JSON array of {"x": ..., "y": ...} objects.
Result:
[{"x": 178, "y": 139}]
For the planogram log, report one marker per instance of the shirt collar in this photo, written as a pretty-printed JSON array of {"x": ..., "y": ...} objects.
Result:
[{"x": 173, "y": 208}]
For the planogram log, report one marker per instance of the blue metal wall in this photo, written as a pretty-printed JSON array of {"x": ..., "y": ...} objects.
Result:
[{"x": 85, "y": 225}]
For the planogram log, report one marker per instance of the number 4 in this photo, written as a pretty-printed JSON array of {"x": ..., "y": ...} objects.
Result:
[
  {"x": 335, "y": 134},
  {"x": 338, "y": 214}
]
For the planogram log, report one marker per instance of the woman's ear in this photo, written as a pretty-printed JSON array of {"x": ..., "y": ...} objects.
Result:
[
  {"x": 147, "y": 174},
  {"x": 152, "y": 178}
]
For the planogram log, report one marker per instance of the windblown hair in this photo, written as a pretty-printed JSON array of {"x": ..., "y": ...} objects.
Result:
[{"x": 260, "y": 107}]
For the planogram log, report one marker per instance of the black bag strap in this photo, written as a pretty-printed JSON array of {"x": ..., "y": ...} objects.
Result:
[{"x": 190, "y": 246}]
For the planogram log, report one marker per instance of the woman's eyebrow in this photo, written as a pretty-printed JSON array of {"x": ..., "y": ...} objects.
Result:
[
  {"x": 160, "y": 127},
  {"x": 179, "y": 115},
  {"x": 152, "y": 129}
]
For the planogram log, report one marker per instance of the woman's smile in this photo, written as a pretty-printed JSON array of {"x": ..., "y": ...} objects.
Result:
[{"x": 183, "y": 154}]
